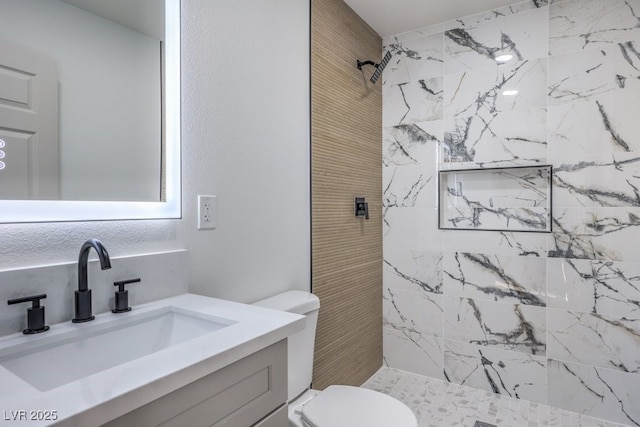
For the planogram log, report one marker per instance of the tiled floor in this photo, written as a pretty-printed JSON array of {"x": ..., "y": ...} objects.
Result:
[{"x": 441, "y": 404}]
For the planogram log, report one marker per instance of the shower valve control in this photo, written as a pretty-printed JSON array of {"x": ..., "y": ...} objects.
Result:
[{"x": 362, "y": 207}]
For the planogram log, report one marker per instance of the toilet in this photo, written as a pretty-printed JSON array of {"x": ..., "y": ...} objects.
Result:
[{"x": 337, "y": 405}]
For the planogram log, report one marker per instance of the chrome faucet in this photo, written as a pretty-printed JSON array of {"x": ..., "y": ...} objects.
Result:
[{"x": 83, "y": 294}]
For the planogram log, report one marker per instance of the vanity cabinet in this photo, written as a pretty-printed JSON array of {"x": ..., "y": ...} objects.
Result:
[
  {"x": 279, "y": 418},
  {"x": 249, "y": 392}
]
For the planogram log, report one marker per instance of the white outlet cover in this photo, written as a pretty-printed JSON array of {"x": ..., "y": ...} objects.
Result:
[{"x": 206, "y": 212}]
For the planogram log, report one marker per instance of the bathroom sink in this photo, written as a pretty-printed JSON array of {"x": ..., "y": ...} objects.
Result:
[
  {"x": 113, "y": 340},
  {"x": 91, "y": 373}
]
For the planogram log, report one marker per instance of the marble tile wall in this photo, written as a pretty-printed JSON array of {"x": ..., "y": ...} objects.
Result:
[{"x": 552, "y": 318}]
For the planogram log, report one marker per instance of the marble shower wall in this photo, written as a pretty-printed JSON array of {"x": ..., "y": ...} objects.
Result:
[{"x": 553, "y": 318}]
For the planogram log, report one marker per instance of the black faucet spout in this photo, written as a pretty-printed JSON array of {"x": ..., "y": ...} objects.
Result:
[
  {"x": 83, "y": 294},
  {"x": 83, "y": 258}
]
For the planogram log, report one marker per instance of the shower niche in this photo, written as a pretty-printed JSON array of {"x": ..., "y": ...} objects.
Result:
[{"x": 496, "y": 199}]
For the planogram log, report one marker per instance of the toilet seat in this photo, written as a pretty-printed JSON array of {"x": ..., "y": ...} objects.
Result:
[{"x": 346, "y": 406}]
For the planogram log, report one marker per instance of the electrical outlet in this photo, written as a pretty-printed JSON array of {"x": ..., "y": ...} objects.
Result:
[{"x": 206, "y": 212}]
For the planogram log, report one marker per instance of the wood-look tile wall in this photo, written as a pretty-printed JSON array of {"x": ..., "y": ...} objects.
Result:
[{"x": 346, "y": 161}]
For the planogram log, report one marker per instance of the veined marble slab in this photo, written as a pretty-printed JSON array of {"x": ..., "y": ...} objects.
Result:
[
  {"x": 602, "y": 126},
  {"x": 481, "y": 91},
  {"x": 600, "y": 287},
  {"x": 595, "y": 233},
  {"x": 473, "y": 21},
  {"x": 412, "y": 144},
  {"x": 414, "y": 59},
  {"x": 594, "y": 339},
  {"x": 597, "y": 392},
  {"x": 510, "y": 279},
  {"x": 413, "y": 269},
  {"x": 475, "y": 46},
  {"x": 411, "y": 351},
  {"x": 412, "y": 102},
  {"x": 591, "y": 74},
  {"x": 414, "y": 228},
  {"x": 408, "y": 186},
  {"x": 576, "y": 24},
  {"x": 414, "y": 34},
  {"x": 514, "y": 327},
  {"x": 412, "y": 310},
  {"x": 491, "y": 138},
  {"x": 607, "y": 181},
  {"x": 499, "y": 371},
  {"x": 496, "y": 242}
]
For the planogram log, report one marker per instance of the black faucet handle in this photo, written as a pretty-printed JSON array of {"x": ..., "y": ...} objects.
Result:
[
  {"x": 35, "y": 314},
  {"x": 121, "y": 283},
  {"x": 122, "y": 295},
  {"x": 35, "y": 299}
]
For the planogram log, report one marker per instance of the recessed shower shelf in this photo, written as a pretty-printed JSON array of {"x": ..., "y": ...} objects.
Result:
[{"x": 515, "y": 198}]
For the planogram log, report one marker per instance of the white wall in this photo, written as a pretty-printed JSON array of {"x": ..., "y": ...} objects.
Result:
[
  {"x": 246, "y": 102},
  {"x": 245, "y": 139}
]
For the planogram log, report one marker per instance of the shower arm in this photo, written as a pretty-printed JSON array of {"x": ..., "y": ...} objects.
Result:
[{"x": 361, "y": 63}]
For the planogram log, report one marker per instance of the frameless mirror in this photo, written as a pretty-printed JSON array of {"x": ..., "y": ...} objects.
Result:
[{"x": 89, "y": 109}]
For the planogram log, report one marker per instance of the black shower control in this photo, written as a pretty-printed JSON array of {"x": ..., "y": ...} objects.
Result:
[
  {"x": 35, "y": 314},
  {"x": 362, "y": 207},
  {"x": 122, "y": 296}
]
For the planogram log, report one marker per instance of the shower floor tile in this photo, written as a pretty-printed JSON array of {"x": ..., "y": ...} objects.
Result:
[{"x": 442, "y": 404}]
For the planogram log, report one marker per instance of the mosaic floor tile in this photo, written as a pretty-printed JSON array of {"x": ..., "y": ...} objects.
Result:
[{"x": 441, "y": 404}]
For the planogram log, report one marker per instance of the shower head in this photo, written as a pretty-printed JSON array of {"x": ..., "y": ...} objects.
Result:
[{"x": 379, "y": 67}]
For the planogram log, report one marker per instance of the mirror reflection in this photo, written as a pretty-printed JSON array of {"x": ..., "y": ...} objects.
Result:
[{"x": 81, "y": 100}]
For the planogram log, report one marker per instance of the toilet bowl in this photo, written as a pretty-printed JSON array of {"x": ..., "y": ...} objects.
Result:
[{"x": 337, "y": 405}]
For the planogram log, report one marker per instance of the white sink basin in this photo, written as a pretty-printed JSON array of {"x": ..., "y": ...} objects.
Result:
[
  {"x": 57, "y": 360},
  {"x": 91, "y": 373}
]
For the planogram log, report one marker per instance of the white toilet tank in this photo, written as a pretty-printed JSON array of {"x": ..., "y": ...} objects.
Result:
[{"x": 300, "y": 344}]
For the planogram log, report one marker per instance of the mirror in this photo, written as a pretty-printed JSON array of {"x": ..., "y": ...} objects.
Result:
[{"x": 111, "y": 150}]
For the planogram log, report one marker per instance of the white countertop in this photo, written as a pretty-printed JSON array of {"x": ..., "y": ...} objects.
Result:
[{"x": 106, "y": 395}]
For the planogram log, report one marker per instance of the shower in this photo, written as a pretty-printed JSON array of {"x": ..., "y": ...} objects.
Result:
[{"x": 379, "y": 67}]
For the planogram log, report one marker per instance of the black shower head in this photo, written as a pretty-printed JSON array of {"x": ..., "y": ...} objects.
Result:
[{"x": 379, "y": 67}]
